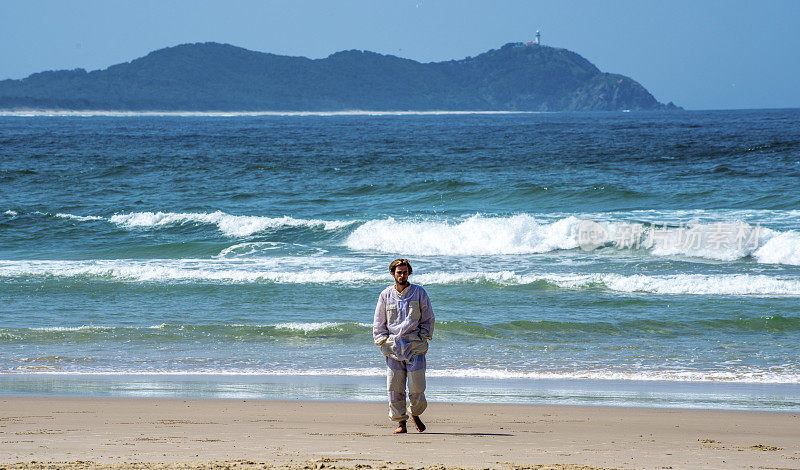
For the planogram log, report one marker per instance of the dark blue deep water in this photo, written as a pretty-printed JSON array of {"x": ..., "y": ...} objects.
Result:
[{"x": 616, "y": 258}]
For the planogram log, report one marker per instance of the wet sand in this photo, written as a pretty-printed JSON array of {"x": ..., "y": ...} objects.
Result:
[{"x": 49, "y": 432}]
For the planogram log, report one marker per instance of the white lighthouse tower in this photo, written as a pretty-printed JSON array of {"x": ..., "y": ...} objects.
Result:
[{"x": 536, "y": 40}]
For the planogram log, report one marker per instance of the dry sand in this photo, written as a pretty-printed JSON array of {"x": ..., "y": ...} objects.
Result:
[{"x": 174, "y": 433}]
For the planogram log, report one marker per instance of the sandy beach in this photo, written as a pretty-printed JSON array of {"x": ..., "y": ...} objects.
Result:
[{"x": 35, "y": 432}]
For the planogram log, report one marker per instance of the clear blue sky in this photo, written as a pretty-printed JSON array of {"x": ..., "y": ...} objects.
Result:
[{"x": 699, "y": 54}]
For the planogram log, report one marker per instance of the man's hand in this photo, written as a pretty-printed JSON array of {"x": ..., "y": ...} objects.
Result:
[{"x": 380, "y": 340}]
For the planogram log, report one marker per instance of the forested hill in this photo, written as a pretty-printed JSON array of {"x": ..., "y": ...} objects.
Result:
[{"x": 221, "y": 77}]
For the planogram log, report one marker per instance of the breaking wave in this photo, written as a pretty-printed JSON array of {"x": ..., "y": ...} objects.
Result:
[
  {"x": 520, "y": 234},
  {"x": 237, "y": 272},
  {"x": 477, "y": 235},
  {"x": 526, "y": 234},
  {"x": 230, "y": 225}
]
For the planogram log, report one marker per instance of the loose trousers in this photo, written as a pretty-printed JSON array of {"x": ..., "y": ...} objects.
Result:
[{"x": 397, "y": 373}]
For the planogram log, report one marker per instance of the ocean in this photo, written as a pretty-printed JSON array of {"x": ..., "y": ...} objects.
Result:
[{"x": 632, "y": 258}]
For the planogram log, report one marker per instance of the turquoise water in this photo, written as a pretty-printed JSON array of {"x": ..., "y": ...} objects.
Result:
[{"x": 614, "y": 258}]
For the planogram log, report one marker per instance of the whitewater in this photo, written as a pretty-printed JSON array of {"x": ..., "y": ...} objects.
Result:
[{"x": 728, "y": 239}]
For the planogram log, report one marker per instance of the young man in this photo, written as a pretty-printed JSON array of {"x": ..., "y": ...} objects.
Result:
[{"x": 402, "y": 327}]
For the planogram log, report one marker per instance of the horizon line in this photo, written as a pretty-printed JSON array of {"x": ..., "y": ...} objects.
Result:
[
  {"x": 30, "y": 112},
  {"x": 186, "y": 113}
]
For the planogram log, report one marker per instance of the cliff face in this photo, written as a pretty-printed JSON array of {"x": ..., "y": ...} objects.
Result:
[{"x": 219, "y": 77}]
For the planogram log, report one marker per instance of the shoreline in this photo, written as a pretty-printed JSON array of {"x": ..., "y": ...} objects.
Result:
[
  {"x": 779, "y": 397},
  {"x": 291, "y": 434}
]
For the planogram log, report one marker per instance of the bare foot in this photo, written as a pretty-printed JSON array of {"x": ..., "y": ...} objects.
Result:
[
  {"x": 418, "y": 424},
  {"x": 401, "y": 428}
]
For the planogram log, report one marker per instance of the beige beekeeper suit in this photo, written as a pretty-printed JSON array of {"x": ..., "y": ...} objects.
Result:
[{"x": 402, "y": 326}]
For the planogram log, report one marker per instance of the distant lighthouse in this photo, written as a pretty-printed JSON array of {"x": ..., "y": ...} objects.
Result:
[{"x": 536, "y": 41}]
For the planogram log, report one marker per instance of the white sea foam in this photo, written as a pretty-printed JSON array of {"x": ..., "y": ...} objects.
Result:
[
  {"x": 702, "y": 216},
  {"x": 238, "y": 272},
  {"x": 230, "y": 225},
  {"x": 718, "y": 241},
  {"x": 703, "y": 284},
  {"x": 526, "y": 234},
  {"x": 476, "y": 235},
  {"x": 747, "y": 376},
  {"x": 296, "y": 326},
  {"x": 186, "y": 270},
  {"x": 726, "y": 242},
  {"x": 691, "y": 284},
  {"x": 306, "y": 327},
  {"x": 111, "y": 113},
  {"x": 309, "y": 327},
  {"x": 74, "y": 328},
  {"x": 82, "y": 218},
  {"x": 244, "y": 249},
  {"x": 780, "y": 248},
  {"x": 731, "y": 376}
]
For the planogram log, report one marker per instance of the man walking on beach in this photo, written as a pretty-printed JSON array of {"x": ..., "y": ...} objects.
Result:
[{"x": 402, "y": 326}]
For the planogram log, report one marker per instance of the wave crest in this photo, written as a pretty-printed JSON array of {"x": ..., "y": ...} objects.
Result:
[
  {"x": 525, "y": 234},
  {"x": 230, "y": 225},
  {"x": 480, "y": 235},
  {"x": 781, "y": 248},
  {"x": 476, "y": 235}
]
